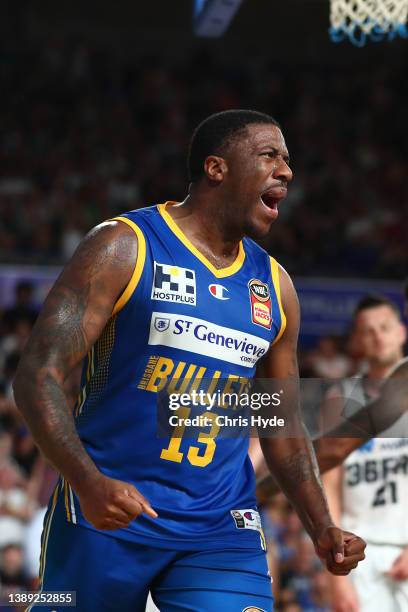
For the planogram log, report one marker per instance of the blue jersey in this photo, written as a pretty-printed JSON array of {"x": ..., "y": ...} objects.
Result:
[{"x": 179, "y": 322}]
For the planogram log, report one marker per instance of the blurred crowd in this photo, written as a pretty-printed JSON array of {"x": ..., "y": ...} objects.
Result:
[
  {"x": 86, "y": 133},
  {"x": 26, "y": 480}
]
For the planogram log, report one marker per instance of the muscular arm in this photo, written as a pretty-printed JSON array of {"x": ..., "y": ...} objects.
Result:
[
  {"x": 290, "y": 459},
  {"x": 73, "y": 317}
]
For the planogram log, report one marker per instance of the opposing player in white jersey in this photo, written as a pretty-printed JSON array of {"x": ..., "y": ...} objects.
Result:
[{"x": 370, "y": 491}]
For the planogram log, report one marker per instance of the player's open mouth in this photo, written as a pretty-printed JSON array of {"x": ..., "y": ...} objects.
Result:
[{"x": 270, "y": 201}]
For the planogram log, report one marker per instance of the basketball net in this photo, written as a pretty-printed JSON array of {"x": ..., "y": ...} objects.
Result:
[{"x": 376, "y": 20}]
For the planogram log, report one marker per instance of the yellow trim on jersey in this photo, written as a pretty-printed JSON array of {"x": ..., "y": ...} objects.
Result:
[
  {"x": 219, "y": 273},
  {"x": 263, "y": 539},
  {"x": 81, "y": 400},
  {"x": 89, "y": 372},
  {"x": 140, "y": 262},
  {"x": 276, "y": 284},
  {"x": 47, "y": 527},
  {"x": 66, "y": 500},
  {"x": 71, "y": 499}
]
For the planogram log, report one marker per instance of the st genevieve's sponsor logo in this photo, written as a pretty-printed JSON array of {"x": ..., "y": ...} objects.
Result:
[
  {"x": 260, "y": 302},
  {"x": 206, "y": 338},
  {"x": 161, "y": 324},
  {"x": 173, "y": 284}
]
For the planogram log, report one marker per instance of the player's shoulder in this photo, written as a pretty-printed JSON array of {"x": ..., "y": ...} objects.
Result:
[
  {"x": 400, "y": 367},
  {"x": 136, "y": 224},
  {"x": 254, "y": 250},
  {"x": 140, "y": 215},
  {"x": 281, "y": 280},
  {"x": 118, "y": 239}
]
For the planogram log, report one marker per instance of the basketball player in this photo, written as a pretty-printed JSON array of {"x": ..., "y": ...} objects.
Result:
[
  {"x": 164, "y": 297},
  {"x": 370, "y": 491}
]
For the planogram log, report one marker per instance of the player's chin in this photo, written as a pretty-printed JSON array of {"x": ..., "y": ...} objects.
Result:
[{"x": 257, "y": 228}]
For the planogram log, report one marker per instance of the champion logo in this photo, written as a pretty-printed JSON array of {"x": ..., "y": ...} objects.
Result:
[{"x": 218, "y": 291}]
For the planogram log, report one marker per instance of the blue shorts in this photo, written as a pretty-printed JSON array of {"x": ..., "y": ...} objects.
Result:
[{"x": 111, "y": 574}]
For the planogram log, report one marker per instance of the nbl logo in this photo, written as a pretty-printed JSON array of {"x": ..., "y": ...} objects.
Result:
[
  {"x": 173, "y": 284},
  {"x": 261, "y": 304}
]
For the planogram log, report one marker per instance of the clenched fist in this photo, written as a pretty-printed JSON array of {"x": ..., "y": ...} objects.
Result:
[{"x": 341, "y": 550}]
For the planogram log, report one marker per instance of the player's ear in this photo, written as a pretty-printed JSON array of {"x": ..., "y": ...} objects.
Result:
[{"x": 215, "y": 168}]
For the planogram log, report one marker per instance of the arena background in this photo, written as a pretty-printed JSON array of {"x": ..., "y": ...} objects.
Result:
[{"x": 97, "y": 104}]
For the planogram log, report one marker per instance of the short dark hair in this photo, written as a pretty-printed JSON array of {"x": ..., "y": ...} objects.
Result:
[
  {"x": 373, "y": 301},
  {"x": 217, "y": 131}
]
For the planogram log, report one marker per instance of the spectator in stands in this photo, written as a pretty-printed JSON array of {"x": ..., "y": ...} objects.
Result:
[
  {"x": 13, "y": 578},
  {"x": 327, "y": 361},
  {"x": 15, "y": 506},
  {"x": 9, "y": 370},
  {"x": 73, "y": 155},
  {"x": 14, "y": 342},
  {"x": 23, "y": 308}
]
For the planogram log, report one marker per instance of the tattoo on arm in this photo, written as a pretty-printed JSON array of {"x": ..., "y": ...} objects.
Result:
[
  {"x": 73, "y": 317},
  {"x": 297, "y": 468},
  {"x": 60, "y": 327}
]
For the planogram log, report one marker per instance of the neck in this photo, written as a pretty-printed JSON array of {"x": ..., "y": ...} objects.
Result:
[
  {"x": 379, "y": 371},
  {"x": 203, "y": 220}
]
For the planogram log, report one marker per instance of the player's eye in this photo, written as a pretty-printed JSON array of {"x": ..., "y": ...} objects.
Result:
[
  {"x": 269, "y": 153},
  {"x": 273, "y": 154}
]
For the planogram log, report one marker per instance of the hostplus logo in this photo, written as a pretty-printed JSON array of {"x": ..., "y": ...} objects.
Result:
[{"x": 173, "y": 284}]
